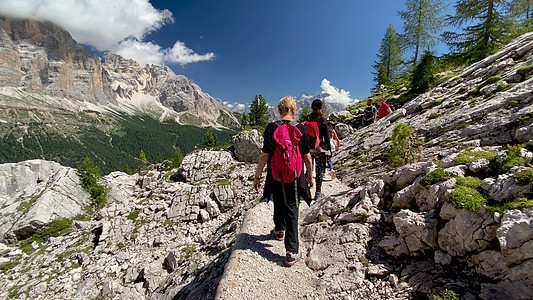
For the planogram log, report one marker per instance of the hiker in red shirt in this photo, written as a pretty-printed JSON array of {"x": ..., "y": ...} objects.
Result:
[
  {"x": 286, "y": 195},
  {"x": 384, "y": 109}
]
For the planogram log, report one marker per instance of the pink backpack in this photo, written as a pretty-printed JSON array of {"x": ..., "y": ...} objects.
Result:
[{"x": 286, "y": 162}]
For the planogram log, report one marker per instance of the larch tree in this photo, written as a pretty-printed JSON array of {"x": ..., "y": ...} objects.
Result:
[
  {"x": 389, "y": 64},
  {"x": 521, "y": 14},
  {"x": 522, "y": 9},
  {"x": 484, "y": 27},
  {"x": 422, "y": 22}
]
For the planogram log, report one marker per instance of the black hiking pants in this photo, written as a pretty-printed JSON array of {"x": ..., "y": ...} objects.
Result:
[
  {"x": 286, "y": 215},
  {"x": 320, "y": 166}
]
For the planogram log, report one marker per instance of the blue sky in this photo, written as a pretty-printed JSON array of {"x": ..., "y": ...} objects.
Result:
[
  {"x": 277, "y": 48},
  {"x": 236, "y": 49}
]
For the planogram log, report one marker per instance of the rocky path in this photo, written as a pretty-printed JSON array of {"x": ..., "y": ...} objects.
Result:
[{"x": 256, "y": 268}]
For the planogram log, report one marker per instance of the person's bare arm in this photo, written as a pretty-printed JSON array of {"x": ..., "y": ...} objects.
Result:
[
  {"x": 263, "y": 159},
  {"x": 308, "y": 160},
  {"x": 338, "y": 142}
]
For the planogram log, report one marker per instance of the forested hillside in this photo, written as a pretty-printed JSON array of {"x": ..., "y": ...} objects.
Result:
[{"x": 117, "y": 148}]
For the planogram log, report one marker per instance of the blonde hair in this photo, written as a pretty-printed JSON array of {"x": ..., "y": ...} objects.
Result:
[{"x": 286, "y": 105}]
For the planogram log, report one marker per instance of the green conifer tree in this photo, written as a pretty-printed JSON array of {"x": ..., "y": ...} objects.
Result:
[
  {"x": 520, "y": 18},
  {"x": 259, "y": 112},
  {"x": 142, "y": 157},
  {"x": 421, "y": 24},
  {"x": 305, "y": 111},
  {"x": 210, "y": 140},
  {"x": 522, "y": 9},
  {"x": 389, "y": 64},
  {"x": 477, "y": 40},
  {"x": 178, "y": 158},
  {"x": 245, "y": 121},
  {"x": 424, "y": 73}
]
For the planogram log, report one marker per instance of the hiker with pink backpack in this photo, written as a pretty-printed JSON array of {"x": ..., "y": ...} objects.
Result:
[{"x": 286, "y": 151}]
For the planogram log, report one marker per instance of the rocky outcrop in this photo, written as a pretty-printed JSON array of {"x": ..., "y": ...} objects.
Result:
[
  {"x": 247, "y": 146},
  {"x": 424, "y": 228},
  {"x": 33, "y": 193},
  {"x": 153, "y": 238}
]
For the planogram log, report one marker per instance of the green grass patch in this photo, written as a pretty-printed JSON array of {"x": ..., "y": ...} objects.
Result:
[
  {"x": 523, "y": 177},
  {"x": 513, "y": 103},
  {"x": 444, "y": 294},
  {"x": 133, "y": 215},
  {"x": 469, "y": 156},
  {"x": 512, "y": 159},
  {"x": 471, "y": 182},
  {"x": 435, "y": 115},
  {"x": 364, "y": 261},
  {"x": 186, "y": 252},
  {"x": 516, "y": 203},
  {"x": 505, "y": 86},
  {"x": 224, "y": 181},
  {"x": 466, "y": 197},
  {"x": 340, "y": 211},
  {"x": 490, "y": 80},
  {"x": 524, "y": 71},
  {"x": 357, "y": 153},
  {"x": 53, "y": 229},
  {"x": 321, "y": 218},
  {"x": 8, "y": 266},
  {"x": 434, "y": 177}
]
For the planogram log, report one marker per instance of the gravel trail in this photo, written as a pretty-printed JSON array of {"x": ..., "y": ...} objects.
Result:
[{"x": 256, "y": 267}]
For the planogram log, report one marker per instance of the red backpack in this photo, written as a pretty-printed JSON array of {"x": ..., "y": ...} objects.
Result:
[
  {"x": 314, "y": 139},
  {"x": 286, "y": 163}
]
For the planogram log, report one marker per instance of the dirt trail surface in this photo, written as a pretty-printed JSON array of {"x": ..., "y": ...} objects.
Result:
[{"x": 256, "y": 267}]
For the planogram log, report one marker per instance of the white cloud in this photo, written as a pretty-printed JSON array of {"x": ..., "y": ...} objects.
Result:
[
  {"x": 142, "y": 52},
  {"x": 183, "y": 55},
  {"x": 119, "y": 26},
  {"x": 335, "y": 95}
]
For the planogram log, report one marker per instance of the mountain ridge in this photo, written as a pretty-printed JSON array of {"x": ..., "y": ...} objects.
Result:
[{"x": 41, "y": 58}]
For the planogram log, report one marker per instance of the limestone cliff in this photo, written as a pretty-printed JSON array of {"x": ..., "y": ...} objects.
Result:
[{"x": 42, "y": 59}]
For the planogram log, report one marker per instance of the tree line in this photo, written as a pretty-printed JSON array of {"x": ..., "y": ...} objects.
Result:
[
  {"x": 134, "y": 140},
  {"x": 481, "y": 27}
]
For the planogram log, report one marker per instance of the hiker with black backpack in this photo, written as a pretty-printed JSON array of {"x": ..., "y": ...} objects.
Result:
[
  {"x": 322, "y": 146},
  {"x": 370, "y": 114},
  {"x": 285, "y": 151}
]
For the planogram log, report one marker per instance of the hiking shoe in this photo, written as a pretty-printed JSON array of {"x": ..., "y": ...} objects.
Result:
[
  {"x": 319, "y": 195},
  {"x": 332, "y": 174},
  {"x": 279, "y": 235},
  {"x": 292, "y": 258}
]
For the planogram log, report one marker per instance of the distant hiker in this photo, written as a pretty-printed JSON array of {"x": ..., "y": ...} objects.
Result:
[
  {"x": 289, "y": 141},
  {"x": 335, "y": 144},
  {"x": 384, "y": 108},
  {"x": 370, "y": 114},
  {"x": 319, "y": 155}
]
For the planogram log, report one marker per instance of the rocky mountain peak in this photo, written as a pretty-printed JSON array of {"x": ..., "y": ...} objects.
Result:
[{"x": 42, "y": 58}]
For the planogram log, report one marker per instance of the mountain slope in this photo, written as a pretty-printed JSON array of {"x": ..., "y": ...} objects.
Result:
[{"x": 55, "y": 95}]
